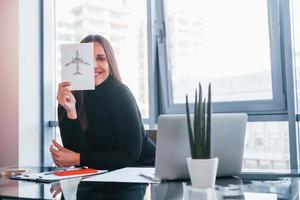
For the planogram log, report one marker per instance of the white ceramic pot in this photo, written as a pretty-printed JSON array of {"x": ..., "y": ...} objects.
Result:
[{"x": 203, "y": 172}]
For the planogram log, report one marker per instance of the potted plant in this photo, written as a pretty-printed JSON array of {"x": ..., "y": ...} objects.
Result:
[{"x": 202, "y": 167}]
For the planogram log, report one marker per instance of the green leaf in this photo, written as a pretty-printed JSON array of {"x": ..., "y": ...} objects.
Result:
[
  {"x": 195, "y": 116},
  {"x": 200, "y": 139},
  {"x": 209, "y": 112},
  {"x": 203, "y": 128},
  {"x": 189, "y": 127}
]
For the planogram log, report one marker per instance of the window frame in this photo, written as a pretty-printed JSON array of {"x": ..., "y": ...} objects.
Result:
[
  {"x": 281, "y": 108},
  {"x": 288, "y": 53},
  {"x": 275, "y": 106},
  {"x": 47, "y": 86},
  {"x": 48, "y": 73}
]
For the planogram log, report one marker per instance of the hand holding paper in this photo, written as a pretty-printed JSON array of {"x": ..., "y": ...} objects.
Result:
[{"x": 66, "y": 99}]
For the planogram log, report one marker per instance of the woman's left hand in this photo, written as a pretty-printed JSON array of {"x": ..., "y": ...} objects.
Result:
[{"x": 64, "y": 157}]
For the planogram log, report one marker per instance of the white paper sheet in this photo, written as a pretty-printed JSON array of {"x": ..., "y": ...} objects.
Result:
[
  {"x": 265, "y": 196},
  {"x": 126, "y": 175},
  {"x": 69, "y": 188},
  {"x": 77, "y": 65}
]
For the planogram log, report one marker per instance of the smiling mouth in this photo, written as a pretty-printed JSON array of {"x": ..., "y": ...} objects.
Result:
[{"x": 97, "y": 73}]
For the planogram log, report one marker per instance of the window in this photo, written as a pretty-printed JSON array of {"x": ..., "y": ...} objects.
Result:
[
  {"x": 74, "y": 21},
  {"x": 239, "y": 46},
  {"x": 266, "y": 146},
  {"x": 125, "y": 27},
  {"x": 230, "y": 44}
]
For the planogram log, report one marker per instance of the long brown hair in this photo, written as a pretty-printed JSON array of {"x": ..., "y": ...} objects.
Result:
[{"x": 114, "y": 71}]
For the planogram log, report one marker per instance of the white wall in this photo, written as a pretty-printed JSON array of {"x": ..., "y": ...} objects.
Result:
[
  {"x": 29, "y": 82},
  {"x": 20, "y": 124}
]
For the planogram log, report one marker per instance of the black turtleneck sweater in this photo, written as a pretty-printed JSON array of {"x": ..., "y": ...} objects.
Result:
[{"x": 115, "y": 137}]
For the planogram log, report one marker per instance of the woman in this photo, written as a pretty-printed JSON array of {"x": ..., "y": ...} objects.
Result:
[{"x": 101, "y": 128}]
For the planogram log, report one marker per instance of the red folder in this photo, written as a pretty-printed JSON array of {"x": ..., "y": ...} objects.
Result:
[{"x": 75, "y": 172}]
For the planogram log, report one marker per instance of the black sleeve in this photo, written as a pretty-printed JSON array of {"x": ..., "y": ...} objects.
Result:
[
  {"x": 127, "y": 127},
  {"x": 71, "y": 132}
]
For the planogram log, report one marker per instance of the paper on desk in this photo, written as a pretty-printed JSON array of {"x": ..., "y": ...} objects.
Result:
[
  {"x": 125, "y": 175},
  {"x": 69, "y": 187},
  {"x": 265, "y": 196},
  {"x": 77, "y": 65},
  {"x": 48, "y": 178}
]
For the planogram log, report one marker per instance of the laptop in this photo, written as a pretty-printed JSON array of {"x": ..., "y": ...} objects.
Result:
[{"x": 172, "y": 145}]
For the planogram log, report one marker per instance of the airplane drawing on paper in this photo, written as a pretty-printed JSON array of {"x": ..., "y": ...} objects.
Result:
[{"x": 77, "y": 61}]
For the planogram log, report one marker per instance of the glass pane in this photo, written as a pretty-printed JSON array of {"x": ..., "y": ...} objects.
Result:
[
  {"x": 296, "y": 28},
  {"x": 266, "y": 147},
  {"x": 222, "y": 42},
  {"x": 123, "y": 23}
]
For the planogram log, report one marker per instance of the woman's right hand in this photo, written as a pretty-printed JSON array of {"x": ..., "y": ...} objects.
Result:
[{"x": 66, "y": 99}]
